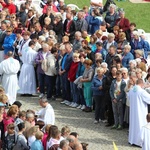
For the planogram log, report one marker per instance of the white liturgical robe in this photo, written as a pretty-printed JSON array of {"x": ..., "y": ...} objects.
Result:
[
  {"x": 145, "y": 137},
  {"x": 27, "y": 82},
  {"x": 47, "y": 115},
  {"x": 9, "y": 69},
  {"x": 138, "y": 99}
]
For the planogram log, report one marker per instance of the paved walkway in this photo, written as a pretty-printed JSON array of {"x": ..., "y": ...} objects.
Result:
[{"x": 98, "y": 136}]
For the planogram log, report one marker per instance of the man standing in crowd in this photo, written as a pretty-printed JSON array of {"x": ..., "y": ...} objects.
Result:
[
  {"x": 139, "y": 99},
  {"x": 46, "y": 114},
  {"x": 2, "y": 37},
  {"x": 9, "y": 69},
  {"x": 145, "y": 134}
]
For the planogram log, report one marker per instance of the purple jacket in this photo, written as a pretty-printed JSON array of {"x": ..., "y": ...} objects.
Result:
[{"x": 38, "y": 58}]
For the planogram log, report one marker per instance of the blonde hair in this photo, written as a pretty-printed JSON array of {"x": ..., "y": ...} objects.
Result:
[
  {"x": 76, "y": 55},
  {"x": 100, "y": 69},
  {"x": 39, "y": 135},
  {"x": 64, "y": 130},
  {"x": 32, "y": 130},
  {"x": 47, "y": 127},
  {"x": 3, "y": 98}
]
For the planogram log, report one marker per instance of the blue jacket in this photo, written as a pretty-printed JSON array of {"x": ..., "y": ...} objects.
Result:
[
  {"x": 8, "y": 43},
  {"x": 95, "y": 22},
  {"x": 96, "y": 83},
  {"x": 121, "y": 96},
  {"x": 37, "y": 145},
  {"x": 105, "y": 44},
  {"x": 126, "y": 59},
  {"x": 142, "y": 45},
  {"x": 104, "y": 53},
  {"x": 80, "y": 70}
]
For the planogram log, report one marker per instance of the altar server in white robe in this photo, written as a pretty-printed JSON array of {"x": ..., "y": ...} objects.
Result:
[
  {"x": 46, "y": 114},
  {"x": 9, "y": 69},
  {"x": 145, "y": 135},
  {"x": 27, "y": 82},
  {"x": 138, "y": 99}
]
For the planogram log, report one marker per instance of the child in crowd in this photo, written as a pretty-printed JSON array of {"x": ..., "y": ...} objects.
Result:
[
  {"x": 65, "y": 131},
  {"x": 44, "y": 140},
  {"x": 117, "y": 95},
  {"x": 10, "y": 137},
  {"x": 37, "y": 144},
  {"x": 31, "y": 134}
]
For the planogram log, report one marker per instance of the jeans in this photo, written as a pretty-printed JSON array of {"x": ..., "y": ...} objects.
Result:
[
  {"x": 99, "y": 107},
  {"x": 73, "y": 92},
  {"x": 50, "y": 84},
  {"x": 42, "y": 82},
  {"x": 118, "y": 112},
  {"x": 58, "y": 85},
  {"x": 79, "y": 93},
  {"x": 87, "y": 93}
]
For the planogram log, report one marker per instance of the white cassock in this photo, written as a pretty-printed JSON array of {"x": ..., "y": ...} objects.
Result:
[
  {"x": 145, "y": 137},
  {"x": 138, "y": 99},
  {"x": 47, "y": 115},
  {"x": 9, "y": 69},
  {"x": 27, "y": 82}
]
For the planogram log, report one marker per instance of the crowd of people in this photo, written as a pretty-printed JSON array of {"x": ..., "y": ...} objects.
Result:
[{"x": 91, "y": 59}]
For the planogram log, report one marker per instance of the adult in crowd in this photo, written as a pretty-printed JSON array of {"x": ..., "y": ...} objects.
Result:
[
  {"x": 138, "y": 43},
  {"x": 98, "y": 95},
  {"x": 81, "y": 23},
  {"x": 27, "y": 81},
  {"x": 95, "y": 21},
  {"x": 106, "y": 87},
  {"x": 50, "y": 72},
  {"x": 65, "y": 66},
  {"x": 46, "y": 114},
  {"x": 122, "y": 22},
  {"x": 69, "y": 27},
  {"x": 2, "y": 37},
  {"x": 42, "y": 54},
  {"x": 127, "y": 56},
  {"x": 139, "y": 99},
  {"x": 9, "y": 69},
  {"x": 111, "y": 17},
  {"x": 86, "y": 81},
  {"x": 8, "y": 44}
]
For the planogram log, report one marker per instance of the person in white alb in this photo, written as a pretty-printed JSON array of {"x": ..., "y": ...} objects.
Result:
[
  {"x": 138, "y": 99},
  {"x": 145, "y": 134},
  {"x": 9, "y": 69},
  {"x": 46, "y": 114},
  {"x": 27, "y": 82}
]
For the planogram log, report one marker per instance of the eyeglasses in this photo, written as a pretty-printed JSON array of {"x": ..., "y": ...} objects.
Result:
[{"x": 8, "y": 31}]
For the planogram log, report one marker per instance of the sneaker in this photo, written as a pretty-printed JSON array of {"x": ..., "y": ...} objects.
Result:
[
  {"x": 119, "y": 127},
  {"x": 71, "y": 104},
  {"x": 41, "y": 95},
  {"x": 75, "y": 105},
  {"x": 63, "y": 102},
  {"x": 114, "y": 127},
  {"x": 83, "y": 107},
  {"x": 68, "y": 103},
  {"x": 79, "y": 107},
  {"x": 96, "y": 122},
  {"x": 104, "y": 121}
]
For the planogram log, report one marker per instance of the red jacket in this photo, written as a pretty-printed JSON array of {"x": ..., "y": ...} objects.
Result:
[
  {"x": 72, "y": 71},
  {"x": 11, "y": 7},
  {"x": 123, "y": 23}
]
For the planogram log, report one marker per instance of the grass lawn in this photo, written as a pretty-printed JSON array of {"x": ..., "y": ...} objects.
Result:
[{"x": 138, "y": 13}]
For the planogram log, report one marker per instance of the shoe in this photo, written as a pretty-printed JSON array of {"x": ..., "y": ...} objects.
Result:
[
  {"x": 83, "y": 107},
  {"x": 88, "y": 109},
  {"x": 119, "y": 127},
  {"x": 79, "y": 107},
  {"x": 75, "y": 105},
  {"x": 68, "y": 103},
  {"x": 114, "y": 127},
  {"x": 96, "y": 122},
  {"x": 71, "y": 104},
  {"x": 41, "y": 95},
  {"x": 63, "y": 102},
  {"x": 104, "y": 121}
]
